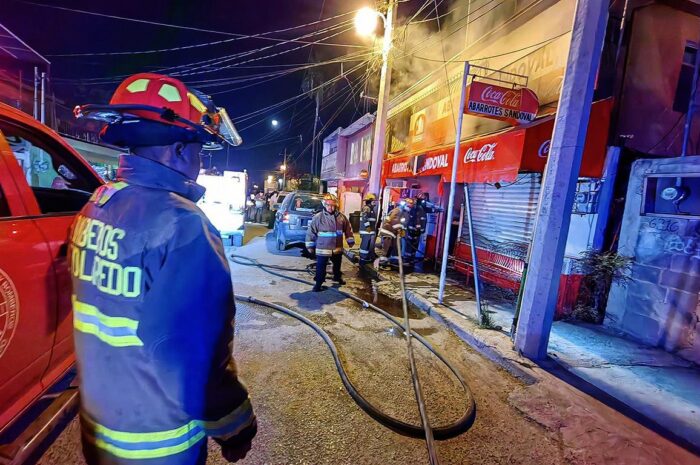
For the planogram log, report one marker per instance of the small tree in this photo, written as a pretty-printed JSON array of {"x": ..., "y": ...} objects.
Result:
[{"x": 601, "y": 270}]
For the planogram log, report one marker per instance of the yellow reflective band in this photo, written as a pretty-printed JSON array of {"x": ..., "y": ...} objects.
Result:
[
  {"x": 125, "y": 436},
  {"x": 148, "y": 453},
  {"x": 113, "y": 321},
  {"x": 115, "y": 331},
  {"x": 236, "y": 421},
  {"x": 130, "y": 445}
]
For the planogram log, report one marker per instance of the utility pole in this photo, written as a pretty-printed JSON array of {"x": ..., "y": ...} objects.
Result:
[
  {"x": 284, "y": 170},
  {"x": 384, "y": 87},
  {"x": 317, "y": 96},
  {"x": 556, "y": 199},
  {"x": 43, "y": 98},
  {"x": 36, "y": 93}
]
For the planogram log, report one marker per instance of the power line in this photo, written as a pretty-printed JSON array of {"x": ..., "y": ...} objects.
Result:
[
  {"x": 302, "y": 94},
  {"x": 177, "y": 26},
  {"x": 190, "y": 72},
  {"x": 211, "y": 61},
  {"x": 281, "y": 106}
]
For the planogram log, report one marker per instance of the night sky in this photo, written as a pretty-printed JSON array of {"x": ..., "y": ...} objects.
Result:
[{"x": 252, "y": 80}]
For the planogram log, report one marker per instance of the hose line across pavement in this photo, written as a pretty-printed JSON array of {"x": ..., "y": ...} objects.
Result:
[{"x": 419, "y": 432}]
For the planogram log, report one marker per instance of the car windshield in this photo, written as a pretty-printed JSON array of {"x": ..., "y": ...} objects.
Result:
[
  {"x": 306, "y": 203},
  {"x": 280, "y": 198}
]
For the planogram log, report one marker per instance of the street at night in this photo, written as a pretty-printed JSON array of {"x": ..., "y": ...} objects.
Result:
[{"x": 349, "y": 232}]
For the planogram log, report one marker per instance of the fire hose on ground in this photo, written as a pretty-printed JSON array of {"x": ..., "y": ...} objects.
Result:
[{"x": 420, "y": 432}]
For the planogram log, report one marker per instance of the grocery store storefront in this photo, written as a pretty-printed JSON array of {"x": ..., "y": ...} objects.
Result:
[{"x": 503, "y": 172}]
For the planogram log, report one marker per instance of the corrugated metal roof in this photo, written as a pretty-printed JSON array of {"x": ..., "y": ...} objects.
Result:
[{"x": 13, "y": 47}]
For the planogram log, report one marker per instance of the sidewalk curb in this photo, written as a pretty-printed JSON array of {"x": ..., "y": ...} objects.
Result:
[{"x": 479, "y": 344}]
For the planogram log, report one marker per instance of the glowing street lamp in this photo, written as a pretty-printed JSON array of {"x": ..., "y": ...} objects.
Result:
[
  {"x": 270, "y": 178},
  {"x": 366, "y": 21},
  {"x": 366, "y": 24},
  {"x": 275, "y": 123},
  {"x": 283, "y": 168}
]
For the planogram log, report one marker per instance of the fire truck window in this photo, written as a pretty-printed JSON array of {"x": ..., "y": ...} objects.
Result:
[
  {"x": 4, "y": 207},
  {"x": 59, "y": 182}
]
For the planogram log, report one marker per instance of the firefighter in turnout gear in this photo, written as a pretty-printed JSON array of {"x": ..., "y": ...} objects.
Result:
[
  {"x": 417, "y": 222},
  {"x": 325, "y": 238},
  {"x": 368, "y": 229},
  {"x": 394, "y": 227},
  {"x": 152, "y": 297}
]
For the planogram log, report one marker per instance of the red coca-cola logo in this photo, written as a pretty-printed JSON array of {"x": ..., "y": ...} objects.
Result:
[
  {"x": 501, "y": 96},
  {"x": 485, "y": 153}
]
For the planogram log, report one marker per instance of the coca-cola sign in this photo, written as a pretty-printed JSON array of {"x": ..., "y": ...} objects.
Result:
[
  {"x": 503, "y": 103},
  {"x": 493, "y": 158},
  {"x": 486, "y": 152}
]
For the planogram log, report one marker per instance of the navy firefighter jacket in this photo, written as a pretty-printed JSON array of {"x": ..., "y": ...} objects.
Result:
[{"x": 153, "y": 316}]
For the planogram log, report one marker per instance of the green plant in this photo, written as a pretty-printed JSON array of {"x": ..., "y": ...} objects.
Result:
[
  {"x": 601, "y": 270},
  {"x": 487, "y": 321}
]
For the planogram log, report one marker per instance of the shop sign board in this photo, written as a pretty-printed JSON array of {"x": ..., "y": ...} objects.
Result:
[
  {"x": 518, "y": 106},
  {"x": 435, "y": 163},
  {"x": 492, "y": 158}
]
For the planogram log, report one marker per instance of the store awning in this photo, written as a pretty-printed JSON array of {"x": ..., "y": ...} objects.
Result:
[{"x": 499, "y": 157}]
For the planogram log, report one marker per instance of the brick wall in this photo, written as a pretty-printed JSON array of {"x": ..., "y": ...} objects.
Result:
[{"x": 659, "y": 306}]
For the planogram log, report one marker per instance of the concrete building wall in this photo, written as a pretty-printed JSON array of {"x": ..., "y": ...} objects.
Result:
[
  {"x": 659, "y": 306},
  {"x": 659, "y": 36}
]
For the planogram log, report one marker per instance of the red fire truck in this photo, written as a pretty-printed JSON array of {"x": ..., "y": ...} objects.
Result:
[{"x": 43, "y": 183}]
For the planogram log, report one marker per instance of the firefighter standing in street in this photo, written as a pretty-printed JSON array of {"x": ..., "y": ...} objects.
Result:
[
  {"x": 152, "y": 295},
  {"x": 417, "y": 223},
  {"x": 394, "y": 227},
  {"x": 368, "y": 230},
  {"x": 325, "y": 238}
]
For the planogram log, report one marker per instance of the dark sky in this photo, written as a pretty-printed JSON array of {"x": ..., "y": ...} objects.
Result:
[{"x": 91, "y": 79}]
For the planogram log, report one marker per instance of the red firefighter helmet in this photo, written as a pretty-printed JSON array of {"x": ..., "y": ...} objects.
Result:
[{"x": 153, "y": 109}]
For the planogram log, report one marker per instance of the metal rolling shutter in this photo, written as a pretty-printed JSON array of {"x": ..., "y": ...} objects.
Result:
[{"x": 504, "y": 219}]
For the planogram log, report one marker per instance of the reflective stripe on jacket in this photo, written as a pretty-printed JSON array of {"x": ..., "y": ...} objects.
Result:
[
  {"x": 153, "y": 313},
  {"x": 395, "y": 221},
  {"x": 368, "y": 220},
  {"x": 326, "y": 231}
]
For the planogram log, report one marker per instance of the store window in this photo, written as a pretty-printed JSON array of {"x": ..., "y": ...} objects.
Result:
[{"x": 60, "y": 183}]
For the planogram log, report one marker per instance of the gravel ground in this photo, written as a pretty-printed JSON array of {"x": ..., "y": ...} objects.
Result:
[{"x": 306, "y": 416}]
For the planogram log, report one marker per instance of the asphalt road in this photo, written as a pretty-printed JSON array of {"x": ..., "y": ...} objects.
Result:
[{"x": 305, "y": 415}]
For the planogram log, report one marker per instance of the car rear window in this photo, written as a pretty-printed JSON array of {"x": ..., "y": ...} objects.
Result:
[
  {"x": 280, "y": 198},
  {"x": 306, "y": 203}
]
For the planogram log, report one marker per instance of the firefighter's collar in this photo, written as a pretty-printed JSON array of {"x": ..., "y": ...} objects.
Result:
[{"x": 141, "y": 171}]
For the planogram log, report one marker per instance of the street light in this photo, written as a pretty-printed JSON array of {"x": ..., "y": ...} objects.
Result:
[
  {"x": 366, "y": 21},
  {"x": 283, "y": 168},
  {"x": 270, "y": 178},
  {"x": 275, "y": 123}
]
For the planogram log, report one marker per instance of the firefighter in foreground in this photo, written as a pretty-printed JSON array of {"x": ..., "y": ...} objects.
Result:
[
  {"x": 394, "y": 228},
  {"x": 368, "y": 230},
  {"x": 153, "y": 300},
  {"x": 325, "y": 238}
]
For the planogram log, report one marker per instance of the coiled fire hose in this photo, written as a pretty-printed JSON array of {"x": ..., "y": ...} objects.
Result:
[{"x": 441, "y": 432}]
